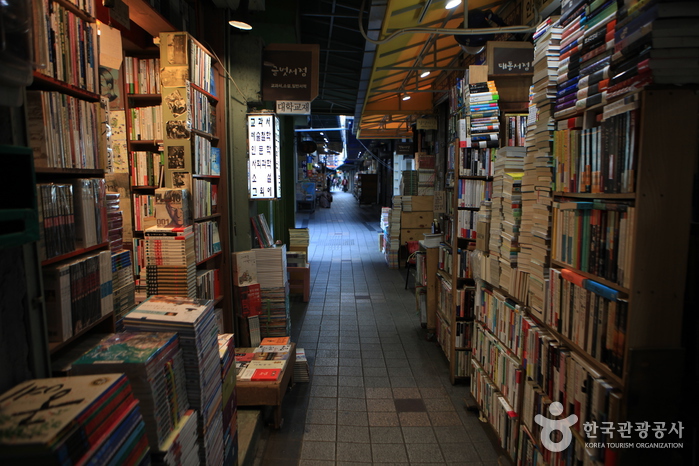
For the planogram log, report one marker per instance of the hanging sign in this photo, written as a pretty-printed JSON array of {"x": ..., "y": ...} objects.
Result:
[
  {"x": 293, "y": 107},
  {"x": 290, "y": 72},
  {"x": 264, "y": 163}
]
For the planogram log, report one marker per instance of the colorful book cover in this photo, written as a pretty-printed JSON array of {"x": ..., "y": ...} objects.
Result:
[
  {"x": 176, "y": 309},
  {"x": 275, "y": 341},
  {"x": 265, "y": 375},
  {"x": 128, "y": 348},
  {"x": 244, "y": 268}
]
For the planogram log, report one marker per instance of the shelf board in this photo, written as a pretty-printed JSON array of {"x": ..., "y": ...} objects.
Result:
[
  {"x": 472, "y": 177},
  {"x": 444, "y": 275},
  {"x": 46, "y": 82},
  {"x": 506, "y": 347},
  {"x": 601, "y": 280},
  {"x": 74, "y": 253},
  {"x": 73, "y": 8},
  {"x": 218, "y": 299},
  {"x": 53, "y": 347},
  {"x": 631, "y": 196},
  {"x": 146, "y": 142},
  {"x": 204, "y": 134},
  {"x": 209, "y": 95},
  {"x": 209, "y": 258},
  {"x": 144, "y": 96},
  {"x": 468, "y": 208},
  {"x": 69, "y": 172},
  {"x": 208, "y": 217},
  {"x": 462, "y": 348},
  {"x": 207, "y": 176},
  {"x": 148, "y": 18},
  {"x": 497, "y": 387},
  {"x": 465, "y": 239},
  {"x": 144, "y": 187}
]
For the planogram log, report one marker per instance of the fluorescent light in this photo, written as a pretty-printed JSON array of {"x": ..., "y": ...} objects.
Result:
[
  {"x": 406, "y": 96},
  {"x": 424, "y": 74},
  {"x": 452, "y": 4}
]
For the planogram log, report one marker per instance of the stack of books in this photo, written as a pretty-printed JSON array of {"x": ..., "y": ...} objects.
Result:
[
  {"x": 123, "y": 285},
  {"x": 115, "y": 222},
  {"x": 512, "y": 280},
  {"x": 180, "y": 447},
  {"x": 537, "y": 197},
  {"x": 410, "y": 182},
  {"x": 153, "y": 363},
  {"x": 301, "y": 370},
  {"x": 90, "y": 419},
  {"x": 170, "y": 265},
  {"x": 296, "y": 259},
  {"x": 246, "y": 289},
  {"x": 226, "y": 350},
  {"x": 274, "y": 291},
  {"x": 56, "y": 219},
  {"x": 484, "y": 111},
  {"x": 195, "y": 322},
  {"x": 264, "y": 363},
  {"x": 299, "y": 239}
]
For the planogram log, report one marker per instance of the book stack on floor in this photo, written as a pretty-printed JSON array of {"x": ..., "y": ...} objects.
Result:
[
  {"x": 78, "y": 294},
  {"x": 410, "y": 183},
  {"x": 123, "y": 285},
  {"x": 299, "y": 239},
  {"x": 512, "y": 279},
  {"x": 536, "y": 184},
  {"x": 301, "y": 370},
  {"x": 246, "y": 289},
  {"x": 154, "y": 365},
  {"x": 392, "y": 234},
  {"x": 115, "y": 222},
  {"x": 195, "y": 322},
  {"x": 274, "y": 291},
  {"x": 90, "y": 419},
  {"x": 226, "y": 350},
  {"x": 180, "y": 447},
  {"x": 264, "y": 363},
  {"x": 170, "y": 266}
]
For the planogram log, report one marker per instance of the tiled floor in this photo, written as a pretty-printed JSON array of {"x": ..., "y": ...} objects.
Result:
[{"x": 379, "y": 390}]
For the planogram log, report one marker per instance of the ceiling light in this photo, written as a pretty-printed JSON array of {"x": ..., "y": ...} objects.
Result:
[
  {"x": 240, "y": 25},
  {"x": 452, "y": 4},
  {"x": 406, "y": 96},
  {"x": 425, "y": 74}
]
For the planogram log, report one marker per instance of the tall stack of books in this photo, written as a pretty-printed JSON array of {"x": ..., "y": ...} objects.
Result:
[
  {"x": 654, "y": 42},
  {"x": 512, "y": 279},
  {"x": 274, "y": 291},
  {"x": 301, "y": 371},
  {"x": 170, "y": 265},
  {"x": 537, "y": 197},
  {"x": 195, "y": 322},
  {"x": 572, "y": 22},
  {"x": 410, "y": 183},
  {"x": 153, "y": 363},
  {"x": 509, "y": 160},
  {"x": 89, "y": 419},
  {"x": 122, "y": 284},
  {"x": 299, "y": 239},
  {"x": 392, "y": 235},
  {"x": 226, "y": 350},
  {"x": 180, "y": 447},
  {"x": 484, "y": 115},
  {"x": 115, "y": 222}
]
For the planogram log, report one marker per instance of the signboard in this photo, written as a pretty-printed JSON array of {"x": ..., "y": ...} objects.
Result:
[
  {"x": 440, "y": 202},
  {"x": 293, "y": 107},
  {"x": 264, "y": 163},
  {"x": 404, "y": 148},
  {"x": 510, "y": 58},
  {"x": 427, "y": 123},
  {"x": 290, "y": 72}
]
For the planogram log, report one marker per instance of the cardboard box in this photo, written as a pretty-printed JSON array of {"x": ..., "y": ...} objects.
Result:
[
  {"x": 413, "y": 234},
  {"x": 416, "y": 220}
]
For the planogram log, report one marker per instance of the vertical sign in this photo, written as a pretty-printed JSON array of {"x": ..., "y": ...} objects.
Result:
[{"x": 264, "y": 174}]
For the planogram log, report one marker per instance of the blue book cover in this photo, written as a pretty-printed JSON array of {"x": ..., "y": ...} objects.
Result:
[
  {"x": 215, "y": 161},
  {"x": 604, "y": 291},
  {"x": 212, "y": 85}
]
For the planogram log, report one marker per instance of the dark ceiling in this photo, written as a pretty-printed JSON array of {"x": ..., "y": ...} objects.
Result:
[{"x": 334, "y": 26}]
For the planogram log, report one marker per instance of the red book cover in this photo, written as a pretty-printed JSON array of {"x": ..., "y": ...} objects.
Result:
[{"x": 265, "y": 375}]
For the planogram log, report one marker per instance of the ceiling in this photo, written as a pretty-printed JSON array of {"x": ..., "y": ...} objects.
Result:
[{"x": 368, "y": 80}]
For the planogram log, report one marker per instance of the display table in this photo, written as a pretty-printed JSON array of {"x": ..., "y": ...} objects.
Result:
[{"x": 268, "y": 393}]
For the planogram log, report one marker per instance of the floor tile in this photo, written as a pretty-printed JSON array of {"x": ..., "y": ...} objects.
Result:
[
  {"x": 318, "y": 451},
  {"x": 324, "y": 391},
  {"x": 319, "y": 432},
  {"x": 351, "y": 404},
  {"x": 388, "y": 453},
  {"x": 353, "y": 434},
  {"x": 424, "y": 453},
  {"x": 323, "y": 379},
  {"x": 412, "y": 392},
  {"x": 380, "y": 405},
  {"x": 409, "y": 405},
  {"x": 350, "y": 362},
  {"x": 354, "y": 453},
  {"x": 381, "y": 434},
  {"x": 444, "y": 418},
  {"x": 459, "y": 452},
  {"x": 383, "y": 419},
  {"x": 378, "y": 392},
  {"x": 414, "y": 419},
  {"x": 419, "y": 434},
  {"x": 321, "y": 416},
  {"x": 352, "y": 418}
]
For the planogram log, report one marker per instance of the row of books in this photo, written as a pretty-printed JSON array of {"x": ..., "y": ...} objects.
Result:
[
  {"x": 202, "y": 114},
  {"x": 122, "y": 284},
  {"x": 208, "y": 284},
  {"x": 146, "y": 123},
  {"x": 226, "y": 347},
  {"x": 115, "y": 222},
  {"x": 142, "y": 76},
  {"x": 143, "y": 211},
  {"x": 147, "y": 168},
  {"x": 205, "y": 196},
  {"x": 462, "y": 336},
  {"x": 484, "y": 116},
  {"x": 60, "y": 130},
  {"x": 501, "y": 316},
  {"x": 470, "y": 193},
  {"x": 465, "y": 302},
  {"x": 207, "y": 240},
  {"x": 595, "y": 237},
  {"x": 443, "y": 333},
  {"x": 78, "y": 294},
  {"x": 65, "y": 47},
  {"x": 201, "y": 71},
  {"x": 477, "y": 162},
  {"x": 466, "y": 224},
  {"x": 601, "y": 159},
  {"x": 503, "y": 368},
  {"x": 169, "y": 258},
  {"x": 445, "y": 299},
  {"x": 207, "y": 159},
  {"x": 515, "y": 129},
  {"x": 591, "y": 315},
  {"x": 89, "y": 419},
  {"x": 462, "y": 361}
]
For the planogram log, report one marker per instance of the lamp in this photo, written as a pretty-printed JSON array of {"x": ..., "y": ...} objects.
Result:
[
  {"x": 425, "y": 73},
  {"x": 406, "y": 96},
  {"x": 452, "y": 4},
  {"x": 241, "y": 18}
]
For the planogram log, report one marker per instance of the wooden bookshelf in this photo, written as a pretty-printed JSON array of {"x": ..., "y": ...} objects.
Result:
[
  {"x": 601, "y": 280},
  {"x": 43, "y": 82},
  {"x": 68, "y": 172},
  {"x": 105, "y": 322},
  {"x": 141, "y": 13},
  {"x": 76, "y": 253}
]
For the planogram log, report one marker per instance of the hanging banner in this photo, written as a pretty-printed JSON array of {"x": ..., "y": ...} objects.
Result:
[{"x": 264, "y": 163}]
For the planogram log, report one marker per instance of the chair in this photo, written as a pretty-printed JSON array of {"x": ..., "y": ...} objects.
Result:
[{"x": 412, "y": 248}]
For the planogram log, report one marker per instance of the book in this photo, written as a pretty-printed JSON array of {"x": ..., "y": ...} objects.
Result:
[
  {"x": 244, "y": 268},
  {"x": 265, "y": 375},
  {"x": 172, "y": 208},
  {"x": 275, "y": 341}
]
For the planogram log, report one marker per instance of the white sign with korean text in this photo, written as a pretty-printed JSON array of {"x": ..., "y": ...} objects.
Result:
[
  {"x": 293, "y": 107},
  {"x": 264, "y": 181}
]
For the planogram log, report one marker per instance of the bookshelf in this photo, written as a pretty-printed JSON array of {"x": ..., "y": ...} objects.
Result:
[
  {"x": 366, "y": 188},
  {"x": 64, "y": 125}
]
